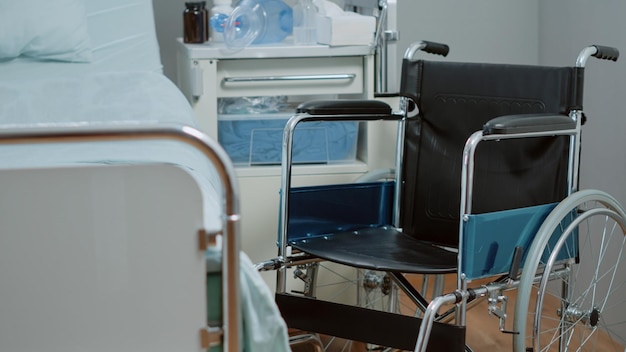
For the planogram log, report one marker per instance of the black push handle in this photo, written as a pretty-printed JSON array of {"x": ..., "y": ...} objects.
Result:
[
  {"x": 606, "y": 53},
  {"x": 435, "y": 48}
]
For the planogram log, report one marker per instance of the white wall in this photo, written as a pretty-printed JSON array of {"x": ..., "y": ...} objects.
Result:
[
  {"x": 480, "y": 30},
  {"x": 169, "y": 26},
  {"x": 567, "y": 26}
]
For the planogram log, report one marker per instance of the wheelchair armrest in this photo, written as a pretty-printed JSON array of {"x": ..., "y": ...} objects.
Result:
[
  {"x": 528, "y": 123},
  {"x": 349, "y": 109}
]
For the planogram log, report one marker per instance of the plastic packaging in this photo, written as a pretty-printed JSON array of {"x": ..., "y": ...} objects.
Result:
[
  {"x": 258, "y": 22},
  {"x": 195, "y": 22},
  {"x": 304, "y": 18},
  {"x": 218, "y": 16},
  {"x": 253, "y": 105}
]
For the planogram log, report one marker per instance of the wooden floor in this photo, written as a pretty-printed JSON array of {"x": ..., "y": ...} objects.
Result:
[
  {"x": 483, "y": 330},
  {"x": 483, "y": 333}
]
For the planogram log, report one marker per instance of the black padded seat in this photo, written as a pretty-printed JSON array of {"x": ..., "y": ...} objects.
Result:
[{"x": 381, "y": 248}]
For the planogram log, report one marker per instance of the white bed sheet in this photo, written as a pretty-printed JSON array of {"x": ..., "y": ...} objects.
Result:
[
  {"x": 101, "y": 97},
  {"x": 133, "y": 98}
]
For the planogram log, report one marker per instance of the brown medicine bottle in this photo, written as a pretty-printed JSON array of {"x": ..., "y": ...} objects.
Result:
[{"x": 195, "y": 22}]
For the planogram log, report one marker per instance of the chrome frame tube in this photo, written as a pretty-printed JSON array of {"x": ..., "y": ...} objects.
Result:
[
  {"x": 285, "y": 182},
  {"x": 584, "y": 55},
  {"x": 429, "y": 319},
  {"x": 397, "y": 192},
  {"x": 345, "y": 76},
  {"x": 414, "y": 47},
  {"x": 402, "y": 285},
  {"x": 187, "y": 135},
  {"x": 439, "y": 285},
  {"x": 574, "y": 153},
  {"x": 380, "y": 42}
]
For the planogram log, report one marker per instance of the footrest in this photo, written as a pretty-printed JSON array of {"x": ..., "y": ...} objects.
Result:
[{"x": 366, "y": 325}]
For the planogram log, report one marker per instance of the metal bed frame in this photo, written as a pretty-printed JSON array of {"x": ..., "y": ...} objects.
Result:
[{"x": 228, "y": 333}]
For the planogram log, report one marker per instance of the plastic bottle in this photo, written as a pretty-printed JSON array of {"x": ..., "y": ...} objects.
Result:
[
  {"x": 304, "y": 23},
  {"x": 258, "y": 22},
  {"x": 194, "y": 23},
  {"x": 218, "y": 16}
]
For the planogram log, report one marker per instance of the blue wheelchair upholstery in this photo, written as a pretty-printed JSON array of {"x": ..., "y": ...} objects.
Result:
[
  {"x": 489, "y": 239},
  {"x": 313, "y": 210}
]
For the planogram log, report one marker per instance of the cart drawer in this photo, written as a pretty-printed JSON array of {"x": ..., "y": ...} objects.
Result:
[{"x": 290, "y": 76}]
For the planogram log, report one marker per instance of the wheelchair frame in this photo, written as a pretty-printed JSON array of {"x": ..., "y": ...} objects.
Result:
[{"x": 506, "y": 127}]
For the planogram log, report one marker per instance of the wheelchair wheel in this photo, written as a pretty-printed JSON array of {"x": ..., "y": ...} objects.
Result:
[{"x": 572, "y": 288}]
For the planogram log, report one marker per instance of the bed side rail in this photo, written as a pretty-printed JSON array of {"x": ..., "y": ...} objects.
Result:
[{"x": 228, "y": 333}]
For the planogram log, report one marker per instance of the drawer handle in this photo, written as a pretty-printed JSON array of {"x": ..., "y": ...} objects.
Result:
[{"x": 289, "y": 78}]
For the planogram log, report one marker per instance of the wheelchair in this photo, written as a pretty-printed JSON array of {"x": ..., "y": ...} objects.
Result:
[{"x": 485, "y": 188}]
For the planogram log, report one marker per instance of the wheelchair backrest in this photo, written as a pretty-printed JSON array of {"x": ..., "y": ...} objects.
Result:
[{"x": 456, "y": 100}]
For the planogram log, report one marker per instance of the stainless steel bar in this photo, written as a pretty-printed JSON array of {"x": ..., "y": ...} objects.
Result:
[
  {"x": 397, "y": 192},
  {"x": 429, "y": 319},
  {"x": 380, "y": 43},
  {"x": 285, "y": 185},
  {"x": 574, "y": 153},
  {"x": 414, "y": 47},
  {"x": 584, "y": 55},
  {"x": 184, "y": 134},
  {"x": 344, "y": 76}
]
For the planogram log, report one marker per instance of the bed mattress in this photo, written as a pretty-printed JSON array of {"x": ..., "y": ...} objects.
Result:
[{"x": 134, "y": 98}]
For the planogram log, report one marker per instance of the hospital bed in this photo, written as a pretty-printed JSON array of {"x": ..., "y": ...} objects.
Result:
[
  {"x": 118, "y": 218},
  {"x": 485, "y": 191}
]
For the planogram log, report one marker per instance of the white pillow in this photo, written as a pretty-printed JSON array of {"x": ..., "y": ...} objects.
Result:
[{"x": 44, "y": 29}]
